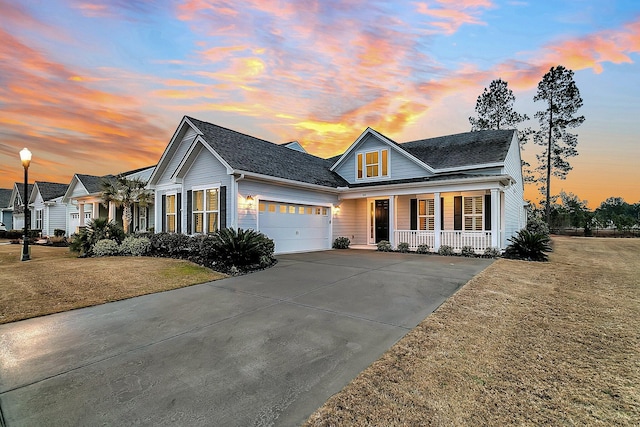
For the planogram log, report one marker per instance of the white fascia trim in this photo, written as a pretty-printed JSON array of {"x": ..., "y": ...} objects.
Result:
[
  {"x": 167, "y": 150},
  {"x": 470, "y": 167},
  {"x": 394, "y": 189},
  {"x": 289, "y": 182},
  {"x": 168, "y": 187},
  {"x": 386, "y": 141},
  {"x": 68, "y": 195}
]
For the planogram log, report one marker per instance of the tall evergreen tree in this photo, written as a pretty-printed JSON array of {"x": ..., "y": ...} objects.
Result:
[
  {"x": 562, "y": 97},
  {"x": 495, "y": 108},
  {"x": 495, "y": 111}
]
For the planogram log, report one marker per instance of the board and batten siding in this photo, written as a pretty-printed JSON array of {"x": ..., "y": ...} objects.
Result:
[
  {"x": 247, "y": 216},
  {"x": 515, "y": 214},
  {"x": 400, "y": 167}
]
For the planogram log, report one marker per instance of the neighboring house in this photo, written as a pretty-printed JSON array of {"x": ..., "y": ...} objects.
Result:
[
  {"x": 48, "y": 213},
  {"x": 83, "y": 199},
  {"x": 458, "y": 190},
  {"x": 17, "y": 206},
  {"x": 6, "y": 213}
]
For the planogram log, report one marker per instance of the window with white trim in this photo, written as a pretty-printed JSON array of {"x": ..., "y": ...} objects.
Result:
[
  {"x": 426, "y": 214},
  {"x": 205, "y": 210},
  {"x": 372, "y": 164},
  {"x": 38, "y": 224},
  {"x": 171, "y": 217},
  {"x": 472, "y": 213},
  {"x": 142, "y": 218}
]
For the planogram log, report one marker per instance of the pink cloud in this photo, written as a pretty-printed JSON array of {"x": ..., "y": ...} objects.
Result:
[{"x": 451, "y": 15}]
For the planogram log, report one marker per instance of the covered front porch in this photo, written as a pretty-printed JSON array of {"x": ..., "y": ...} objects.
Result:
[{"x": 473, "y": 218}]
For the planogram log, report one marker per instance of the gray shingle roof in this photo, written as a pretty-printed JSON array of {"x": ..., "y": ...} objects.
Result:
[
  {"x": 246, "y": 153},
  {"x": 51, "y": 190},
  {"x": 5, "y": 196},
  {"x": 93, "y": 183},
  {"x": 463, "y": 149}
]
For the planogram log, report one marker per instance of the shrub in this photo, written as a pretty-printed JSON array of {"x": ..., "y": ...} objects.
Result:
[
  {"x": 403, "y": 247},
  {"x": 468, "y": 251},
  {"x": 242, "y": 248},
  {"x": 106, "y": 247},
  {"x": 135, "y": 246},
  {"x": 341, "y": 243},
  {"x": 59, "y": 232},
  {"x": 384, "y": 246},
  {"x": 423, "y": 249},
  {"x": 59, "y": 241},
  {"x": 528, "y": 246},
  {"x": 13, "y": 234},
  {"x": 536, "y": 225},
  {"x": 98, "y": 229},
  {"x": 491, "y": 253},
  {"x": 170, "y": 245},
  {"x": 203, "y": 250},
  {"x": 445, "y": 250}
]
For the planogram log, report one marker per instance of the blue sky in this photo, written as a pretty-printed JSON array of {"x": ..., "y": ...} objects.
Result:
[{"x": 99, "y": 86}]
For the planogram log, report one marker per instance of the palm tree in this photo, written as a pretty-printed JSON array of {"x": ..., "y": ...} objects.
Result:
[{"x": 125, "y": 192}]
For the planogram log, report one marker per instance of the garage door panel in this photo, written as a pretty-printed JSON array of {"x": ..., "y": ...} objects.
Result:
[{"x": 295, "y": 227}]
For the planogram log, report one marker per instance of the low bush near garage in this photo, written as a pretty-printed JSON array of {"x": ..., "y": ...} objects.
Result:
[
  {"x": 341, "y": 243},
  {"x": 423, "y": 249},
  {"x": 403, "y": 247}
]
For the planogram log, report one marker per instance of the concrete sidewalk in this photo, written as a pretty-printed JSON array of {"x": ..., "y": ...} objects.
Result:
[{"x": 263, "y": 349}]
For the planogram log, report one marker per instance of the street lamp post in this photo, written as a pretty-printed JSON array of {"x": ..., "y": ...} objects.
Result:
[{"x": 25, "y": 157}]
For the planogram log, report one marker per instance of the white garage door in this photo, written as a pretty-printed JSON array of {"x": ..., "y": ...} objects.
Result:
[{"x": 295, "y": 227}]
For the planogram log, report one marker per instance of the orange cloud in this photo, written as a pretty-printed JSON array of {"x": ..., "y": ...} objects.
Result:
[{"x": 451, "y": 15}]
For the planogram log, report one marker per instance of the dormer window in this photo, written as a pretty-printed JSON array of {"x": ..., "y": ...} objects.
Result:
[{"x": 372, "y": 164}]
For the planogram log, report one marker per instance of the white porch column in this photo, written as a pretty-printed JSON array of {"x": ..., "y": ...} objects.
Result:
[
  {"x": 495, "y": 218},
  {"x": 392, "y": 221},
  {"x": 96, "y": 210},
  {"x": 112, "y": 211},
  {"x": 437, "y": 226},
  {"x": 80, "y": 214}
]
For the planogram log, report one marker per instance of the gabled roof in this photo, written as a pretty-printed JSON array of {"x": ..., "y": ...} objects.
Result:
[
  {"x": 51, "y": 190},
  {"x": 463, "y": 149},
  {"x": 5, "y": 197},
  {"x": 16, "y": 192},
  {"x": 93, "y": 183},
  {"x": 249, "y": 154}
]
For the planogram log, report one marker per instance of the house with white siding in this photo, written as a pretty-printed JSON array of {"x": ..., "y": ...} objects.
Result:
[
  {"x": 47, "y": 211},
  {"x": 6, "y": 213},
  {"x": 456, "y": 190},
  {"x": 16, "y": 205},
  {"x": 84, "y": 202}
]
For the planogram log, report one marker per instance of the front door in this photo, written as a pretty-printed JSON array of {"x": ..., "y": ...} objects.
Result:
[{"x": 382, "y": 220}]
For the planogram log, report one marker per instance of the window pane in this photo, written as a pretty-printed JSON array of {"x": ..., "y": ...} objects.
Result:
[
  {"x": 198, "y": 222},
  {"x": 372, "y": 158},
  {"x": 171, "y": 204},
  {"x": 301, "y": 210},
  {"x": 283, "y": 208},
  {"x": 468, "y": 223},
  {"x": 430, "y": 223},
  {"x": 385, "y": 158},
  {"x": 212, "y": 199},
  {"x": 360, "y": 167},
  {"x": 423, "y": 223},
  {"x": 171, "y": 223},
  {"x": 430, "y": 207},
  {"x": 262, "y": 206},
  {"x": 309, "y": 211},
  {"x": 324, "y": 211},
  {"x": 292, "y": 209},
  {"x": 272, "y": 207},
  {"x": 372, "y": 171},
  {"x": 198, "y": 200},
  {"x": 422, "y": 207},
  {"x": 212, "y": 222}
]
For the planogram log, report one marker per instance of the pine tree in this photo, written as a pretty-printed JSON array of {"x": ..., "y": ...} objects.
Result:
[
  {"x": 559, "y": 91},
  {"x": 495, "y": 111}
]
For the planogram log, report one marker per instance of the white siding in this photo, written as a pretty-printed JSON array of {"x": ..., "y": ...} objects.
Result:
[
  {"x": 351, "y": 221},
  {"x": 400, "y": 167},
  {"x": 403, "y": 208},
  {"x": 206, "y": 170},
  {"x": 78, "y": 190},
  {"x": 176, "y": 158},
  {"x": 54, "y": 217},
  {"x": 515, "y": 216}
]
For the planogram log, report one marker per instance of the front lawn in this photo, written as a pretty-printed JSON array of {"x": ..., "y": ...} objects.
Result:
[{"x": 55, "y": 280}]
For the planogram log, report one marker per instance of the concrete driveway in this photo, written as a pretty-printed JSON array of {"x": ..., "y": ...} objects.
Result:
[{"x": 262, "y": 349}]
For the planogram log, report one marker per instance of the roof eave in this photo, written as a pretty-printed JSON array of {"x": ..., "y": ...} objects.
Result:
[{"x": 285, "y": 181}]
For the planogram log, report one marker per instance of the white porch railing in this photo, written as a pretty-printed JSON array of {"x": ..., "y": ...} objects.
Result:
[
  {"x": 478, "y": 240},
  {"x": 415, "y": 238}
]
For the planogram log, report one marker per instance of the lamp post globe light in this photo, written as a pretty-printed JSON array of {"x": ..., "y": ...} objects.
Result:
[{"x": 25, "y": 157}]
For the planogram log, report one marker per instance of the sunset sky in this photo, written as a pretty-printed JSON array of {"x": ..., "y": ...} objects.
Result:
[{"x": 99, "y": 87}]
